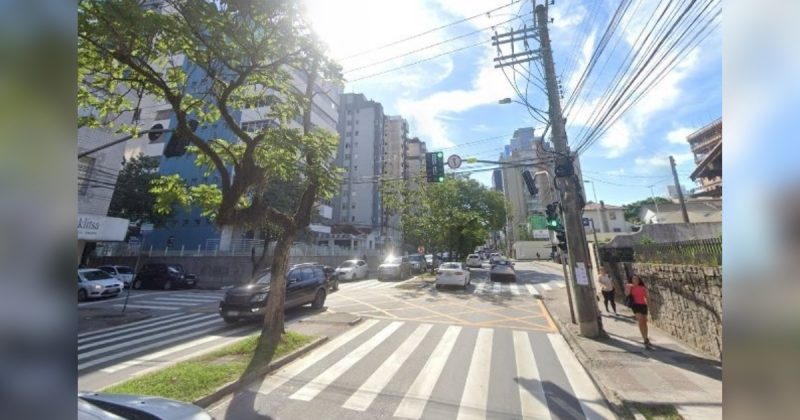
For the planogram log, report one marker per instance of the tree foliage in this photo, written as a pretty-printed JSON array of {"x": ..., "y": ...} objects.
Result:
[
  {"x": 132, "y": 198},
  {"x": 632, "y": 209},
  {"x": 455, "y": 215}
]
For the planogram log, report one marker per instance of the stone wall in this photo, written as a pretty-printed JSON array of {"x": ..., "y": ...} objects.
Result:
[
  {"x": 216, "y": 272},
  {"x": 685, "y": 301}
]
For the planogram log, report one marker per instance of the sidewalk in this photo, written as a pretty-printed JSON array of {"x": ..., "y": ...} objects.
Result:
[{"x": 630, "y": 376}]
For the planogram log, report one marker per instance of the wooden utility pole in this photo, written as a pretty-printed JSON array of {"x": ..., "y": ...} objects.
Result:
[{"x": 680, "y": 192}]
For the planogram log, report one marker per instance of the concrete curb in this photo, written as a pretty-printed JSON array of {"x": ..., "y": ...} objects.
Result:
[
  {"x": 615, "y": 403},
  {"x": 236, "y": 385}
]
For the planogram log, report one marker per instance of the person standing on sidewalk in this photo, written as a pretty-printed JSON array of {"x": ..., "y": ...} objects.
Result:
[
  {"x": 637, "y": 292},
  {"x": 607, "y": 288}
]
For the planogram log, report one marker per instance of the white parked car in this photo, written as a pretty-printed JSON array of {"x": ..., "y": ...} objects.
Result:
[
  {"x": 121, "y": 272},
  {"x": 495, "y": 257},
  {"x": 452, "y": 273},
  {"x": 474, "y": 260},
  {"x": 94, "y": 283},
  {"x": 352, "y": 269}
]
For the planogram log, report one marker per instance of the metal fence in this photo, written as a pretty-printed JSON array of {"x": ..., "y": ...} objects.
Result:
[{"x": 706, "y": 252}]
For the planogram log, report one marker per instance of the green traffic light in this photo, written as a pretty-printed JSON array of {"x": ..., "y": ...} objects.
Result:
[{"x": 441, "y": 179}]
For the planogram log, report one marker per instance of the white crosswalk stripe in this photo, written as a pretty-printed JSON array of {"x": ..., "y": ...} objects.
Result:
[
  {"x": 532, "y": 290},
  {"x": 158, "y": 307},
  {"x": 476, "y": 389},
  {"x": 133, "y": 331},
  {"x": 546, "y": 287},
  {"x": 592, "y": 403},
  {"x": 533, "y": 402},
  {"x": 514, "y": 289},
  {"x": 93, "y": 334}
]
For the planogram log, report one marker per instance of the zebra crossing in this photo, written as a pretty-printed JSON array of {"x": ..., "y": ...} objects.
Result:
[
  {"x": 370, "y": 285},
  {"x": 485, "y": 287},
  {"x": 175, "y": 301},
  {"x": 385, "y": 368}
]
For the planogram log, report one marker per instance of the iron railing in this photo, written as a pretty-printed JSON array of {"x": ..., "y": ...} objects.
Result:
[{"x": 707, "y": 252}]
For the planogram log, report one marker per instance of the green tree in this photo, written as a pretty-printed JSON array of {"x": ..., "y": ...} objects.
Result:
[
  {"x": 237, "y": 54},
  {"x": 632, "y": 209},
  {"x": 132, "y": 198},
  {"x": 456, "y": 215}
]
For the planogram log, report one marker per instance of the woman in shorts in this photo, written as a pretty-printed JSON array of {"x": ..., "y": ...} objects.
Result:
[{"x": 636, "y": 290}]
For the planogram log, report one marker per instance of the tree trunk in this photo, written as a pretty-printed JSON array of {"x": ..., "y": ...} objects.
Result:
[
  {"x": 258, "y": 264},
  {"x": 272, "y": 327}
]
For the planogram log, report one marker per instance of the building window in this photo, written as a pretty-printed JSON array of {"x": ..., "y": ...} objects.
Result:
[
  {"x": 185, "y": 222},
  {"x": 346, "y": 145},
  {"x": 164, "y": 114},
  {"x": 612, "y": 215},
  {"x": 347, "y": 156},
  {"x": 353, "y": 219},
  {"x": 617, "y": 230},
  {"x": 353, "y": 206},
  {"x": 356, "y": 132},
  {"x": 85, "y": 169},
  {"x": 256, "y": 126},
  {"x": 197, "y": 221}
]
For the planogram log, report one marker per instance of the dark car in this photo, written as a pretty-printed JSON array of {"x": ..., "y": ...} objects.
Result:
[
  {"x": 503, "y": 270},
  {"x": 305, "y": 283},
  {"x": 163, "y": 276},
  {"x": 417, "y": 263}
]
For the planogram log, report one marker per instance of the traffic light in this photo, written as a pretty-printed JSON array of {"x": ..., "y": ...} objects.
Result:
[
  {"x": 528, "y": 178},
  {"x": 562, "y": 240},
  {"x": 434, "y": 166},
  {"x": 553, "y": 218},
  {"x": 176, "y": 146}
]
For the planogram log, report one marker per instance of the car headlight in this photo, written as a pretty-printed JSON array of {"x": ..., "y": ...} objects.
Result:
[
  {"x": 259, "y": 297},
  {"x": 97, "y": 287}
]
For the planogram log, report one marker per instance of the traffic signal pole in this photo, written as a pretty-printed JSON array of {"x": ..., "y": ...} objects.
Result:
[{"x": 589, "y": 321}]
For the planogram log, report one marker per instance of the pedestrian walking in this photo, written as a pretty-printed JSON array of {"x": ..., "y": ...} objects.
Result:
[
  {"x": 538, "y": 257},
  {"x": 637, "y": 296},
  {"x": 607, "y": 288}
]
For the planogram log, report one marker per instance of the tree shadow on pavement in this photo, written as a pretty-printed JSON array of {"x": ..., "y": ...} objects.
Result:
[{"x": 561, "y": 403}]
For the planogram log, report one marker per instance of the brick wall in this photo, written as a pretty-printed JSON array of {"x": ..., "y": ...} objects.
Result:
[{"x": 685, "y": 301}]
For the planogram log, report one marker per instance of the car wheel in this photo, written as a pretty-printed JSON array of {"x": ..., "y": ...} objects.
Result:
[
  {"x": 81, "y": 295},
  {"x": 137, "y": 284},
  {"x": 167, "y": 285},
  {"x": 438, "y": 286},
  {"x": 319, "y": 300},
  {"x": 229, "y": 320}
]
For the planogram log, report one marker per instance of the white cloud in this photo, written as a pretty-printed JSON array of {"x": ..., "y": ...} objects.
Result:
[
  {"x": 616, "y": 140},
  {"x": 678, "y": 135},
  {"x": 645, "y": 164}
]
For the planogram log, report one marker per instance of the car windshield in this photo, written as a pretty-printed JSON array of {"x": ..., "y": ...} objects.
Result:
[
  {"x": 472, "y": 256},
  {"x": 263, "y": 278},
  {"x": 452, "y": 266},
  {"x": 414, "y": 258},
  {"x": 429, "y": 257},
  {"x": 393, "y": 260},
  {"x": 96, "y": 275},
  {"x": 173, "y": 269},
  {"x": 347, "y": 264},
  {"x": 124, "y": 270},
  {"x": 504, "y": 262},
  {"x": 177, "y": 267}
]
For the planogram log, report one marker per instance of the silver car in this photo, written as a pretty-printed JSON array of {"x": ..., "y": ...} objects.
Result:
[
  {"x": 100, "y": 406},
  {"x": 121, "y": 272},
  {"x": 94, "y": 283}
]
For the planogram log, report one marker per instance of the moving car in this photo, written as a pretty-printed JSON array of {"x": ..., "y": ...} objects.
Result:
[
  {"x": 503, "y": 270},
  {"x": 417, "y": 263},
  {"x": 352, "y": 269},
  {"x": 474, "y": 260},
  {"x": 394, "y": 267},
  {"x": 429, "y": 261},
  {"x": 94, "y": 283},
  {"x": 123, "y": 273},
  {"x": 102, "y": 406},
  {"x": 163, "y": 276},
  {"x": 495, "y": 257},
  {"x": 452, "y": 273},
  {"x": 305, "y": 283}
]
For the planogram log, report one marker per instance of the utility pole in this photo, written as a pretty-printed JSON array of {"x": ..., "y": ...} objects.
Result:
[
  {"x": 680, "y": 192},
  {"x": 589, "y": 320}
]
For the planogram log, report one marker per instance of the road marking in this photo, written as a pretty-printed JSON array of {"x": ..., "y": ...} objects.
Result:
[
  {"x": 93, "y": 333},
  {"x": 533, "y": 402},
  {"x": 546, "y": 287},
  {"x": 363, "y": 397},
  {"x": 417, "y": 396},
  {"x": 128, "y": 333},
  {"x": 185, "y": 301},
  {"x": 514, "y": 289},
  {"x": 283, "y": 375},
  {"x": 147, "y": 347},
  {"x": 476, "y": 389},
  {"x": 497, "y": 288},
  {"x": 318, "y": 384},
  {"x": 592, "y": 403},
  {"x": 122, "y": 296},
  {"x": 532, "y": 290},
  {"x": 172, "y": 318},
  {"x": 129, "y": 343},
  {"x": 161, "y": 308},
  {"x": 171, "y": 350}
]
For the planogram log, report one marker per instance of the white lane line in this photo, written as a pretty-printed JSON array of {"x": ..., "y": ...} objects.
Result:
[
  {"x": 147, "y": 347},
  {"x": 417, "y": 396},
  {"x": 318, "y": 384},
  {"x": 546, "y": 287},
  {"x": 514, "y": 289},
  {"x": 592, "y": 403},
  {"x": 283, "y": 375},
  {"x": 147, "y": 331},
  {"x": 135, "y": 295},
  {"x": 476, "y": 389},
  {"x": 130, "y": 343},
  {"x": 172, "y": 318},
  {"x": 561, "y": 285},
  {"x": 532, "y": 290},
  {"x": 184, "y": 301},
  {"x": 159, "y": 354},
  {"x": 161, "y": 308},
  {"x": 363, "y": 397},
  {"x": 359, "y": 285},
  {"x": 533, "y": 402},
  {"x": 497, "y": 288},
  {"x": 155, "y": 320}
]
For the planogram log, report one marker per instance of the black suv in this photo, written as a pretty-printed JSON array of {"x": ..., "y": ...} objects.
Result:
[
  {"x": 305, "y": 283},
  {"x": 163, "y": 276}
]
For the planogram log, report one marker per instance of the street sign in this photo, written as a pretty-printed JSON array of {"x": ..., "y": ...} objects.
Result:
[
  {"x": 586, "y": 221},
  {"x": 454, "y": 161}
]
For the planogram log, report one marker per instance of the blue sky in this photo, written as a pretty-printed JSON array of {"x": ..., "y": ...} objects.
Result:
[{"x": 451, "y": 101}]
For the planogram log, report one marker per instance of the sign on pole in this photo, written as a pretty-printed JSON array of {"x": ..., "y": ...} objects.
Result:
[{"x": 454, "y": 161}]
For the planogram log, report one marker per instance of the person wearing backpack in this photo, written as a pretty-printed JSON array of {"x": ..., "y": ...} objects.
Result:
[{"x": 636, "y": 298}]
